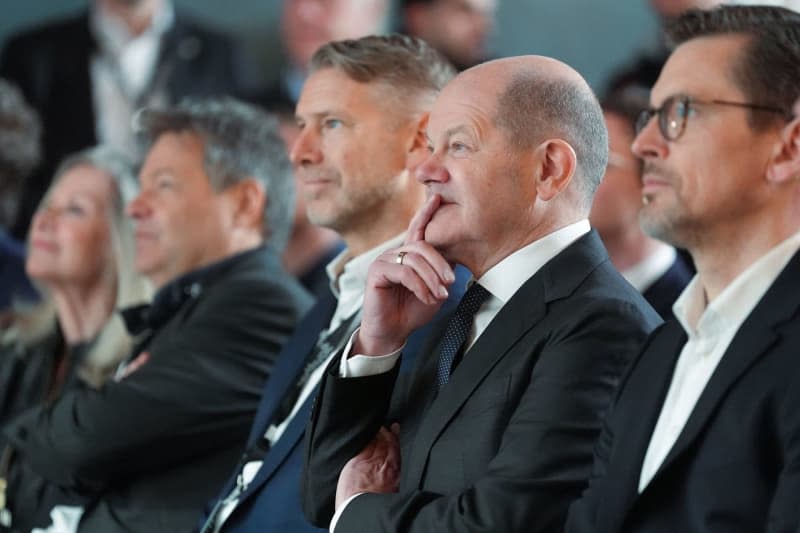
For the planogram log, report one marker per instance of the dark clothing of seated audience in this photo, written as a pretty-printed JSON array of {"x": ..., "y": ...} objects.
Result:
[
  {"x": 507, "y": 441},
  {"x": 666, "y": 289},
  {"x": 151, "y": 448},
  {"x": 52, "y": 66}
]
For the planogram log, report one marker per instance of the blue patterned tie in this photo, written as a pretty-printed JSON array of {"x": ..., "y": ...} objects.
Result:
[{"x": 458, "y": 330}]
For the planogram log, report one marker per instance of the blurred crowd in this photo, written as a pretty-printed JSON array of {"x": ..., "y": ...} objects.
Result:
[{"x": 400, "y": 283}]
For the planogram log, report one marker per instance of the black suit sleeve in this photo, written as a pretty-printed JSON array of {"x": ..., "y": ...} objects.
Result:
[
  {"x": 545, "y": 449},
  {"x": 197, "y": 393},
  {"x": 337, "y": 433},
  {"x": 782, "y": 516}
]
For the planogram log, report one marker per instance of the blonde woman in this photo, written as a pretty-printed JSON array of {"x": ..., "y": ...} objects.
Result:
[{"x": 81, "y": 255}]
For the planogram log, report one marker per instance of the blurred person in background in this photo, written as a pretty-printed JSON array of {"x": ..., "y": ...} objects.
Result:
[
  {"x": 459, "y": 29},
  {"x": 308, "y": 24},
  {"x": 212, "y": 215},
  {"x": 20, "y": 153},
  {"x": 87, "y": 74},
  {"x": 644, "y": 68},
  {"x": 81, "y": 253},
  {"x": 672, "y": 9},
  {"x": 652, "y": 266}
]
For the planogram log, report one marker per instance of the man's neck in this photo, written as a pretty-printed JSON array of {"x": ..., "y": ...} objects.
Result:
[{"x": 722, "y": 258}]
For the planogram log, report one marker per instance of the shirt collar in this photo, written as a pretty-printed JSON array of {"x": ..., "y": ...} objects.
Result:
[
  {"x": 738, "y": 299},
  {"x": 505, "y": 278},
  {"x": 647, "y": 271},
  {"x": 347, "y": 273},
  {"x": 172, "y": 296},
  {"x": 113, "y": 35}
]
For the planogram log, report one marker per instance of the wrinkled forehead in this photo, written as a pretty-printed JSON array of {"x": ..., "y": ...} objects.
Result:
[
  {"x": 703, "y": 67},
  {"x": 467, "y": 100}
]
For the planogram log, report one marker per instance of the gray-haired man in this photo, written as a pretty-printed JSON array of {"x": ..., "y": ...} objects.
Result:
[{"x": 151, "y": 448}]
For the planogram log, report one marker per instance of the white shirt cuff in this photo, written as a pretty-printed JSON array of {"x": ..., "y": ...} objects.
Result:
[
  {"x": 340, "y": 510},
  {"x": 359, "y": 366}
]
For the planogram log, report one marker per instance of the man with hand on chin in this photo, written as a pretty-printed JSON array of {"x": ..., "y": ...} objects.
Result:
[{"x": 498, "y": 420}]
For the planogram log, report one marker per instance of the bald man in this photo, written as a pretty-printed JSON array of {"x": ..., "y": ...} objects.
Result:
[{"x": 494, "y": 429}]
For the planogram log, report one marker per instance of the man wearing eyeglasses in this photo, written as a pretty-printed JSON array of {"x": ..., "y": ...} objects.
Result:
[{"x": 705, "y": 432}]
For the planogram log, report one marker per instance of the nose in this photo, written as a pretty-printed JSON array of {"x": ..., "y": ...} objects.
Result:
[
  {"x": 306, "y": 149},
  {"x": 43, "y": 218},
  {"x": 649, "y": 143},
  {"x": 139, "y": 207},
  {"x": 432, "y": 170}
]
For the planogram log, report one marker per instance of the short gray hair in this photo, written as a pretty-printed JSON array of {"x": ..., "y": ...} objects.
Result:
[
  {"x": 533, "y": 107},
  {"x": 407, "y": 64},
  {"x": 240, "y": 141}
]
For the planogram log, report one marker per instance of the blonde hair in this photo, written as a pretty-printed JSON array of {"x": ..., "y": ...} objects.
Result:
[{"x": 32, "y": 323}]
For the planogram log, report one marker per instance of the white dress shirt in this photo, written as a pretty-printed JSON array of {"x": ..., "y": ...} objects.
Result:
[
  {"x": 502, "y": 281},
  {"x": 710, "y": 327},
  {"x": 646, "y": 272},
  {"x": 348, "y": 277},
  {"x": 121, "y": 73}
]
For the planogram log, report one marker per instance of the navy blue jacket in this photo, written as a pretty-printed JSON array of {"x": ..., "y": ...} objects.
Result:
[{"x": 272, "y": 500}]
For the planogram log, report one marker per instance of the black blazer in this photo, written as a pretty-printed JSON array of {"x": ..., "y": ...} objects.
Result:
[
  {"x": 154, "y": 447},
  {"x": 272, "y": 500},
  {"x": 736, "y": 465},
  {"x": 51, "y": 66},
  {"x": 507, "y": 444}
]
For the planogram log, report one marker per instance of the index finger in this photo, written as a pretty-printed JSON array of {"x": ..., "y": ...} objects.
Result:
[{"x": 416, "y": 229}]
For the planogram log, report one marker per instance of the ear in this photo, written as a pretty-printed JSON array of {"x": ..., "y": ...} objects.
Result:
[
  {"x": 248, "y": 199},
  {"x": 417, "y": 143},
  {"x": 785, "y": 162},
  {"x": 556, "y": 164}
]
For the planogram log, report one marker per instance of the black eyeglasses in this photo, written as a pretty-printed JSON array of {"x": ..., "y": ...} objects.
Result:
[{"x": 675, "y": 111}]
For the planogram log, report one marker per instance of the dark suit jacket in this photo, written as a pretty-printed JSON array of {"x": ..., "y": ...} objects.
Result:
[
  {"x": 507, "y": 443},
  {"x": 666, "y": 289},
  {"x": 272, "y": 500},
  {"x": 51, "y": 66},
  {"x": 736, "y": 465},
  {"x": 154, "y": 447}
]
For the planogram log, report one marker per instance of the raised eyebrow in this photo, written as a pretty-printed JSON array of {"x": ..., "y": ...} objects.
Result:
[
  {"x": 459, "y": 129},
  {"x": 156, "y": 173},
  {"x": 320, "y": 115}
]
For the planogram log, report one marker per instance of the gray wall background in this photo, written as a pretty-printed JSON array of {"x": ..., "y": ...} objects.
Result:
[{"x": 594, "y": 36}]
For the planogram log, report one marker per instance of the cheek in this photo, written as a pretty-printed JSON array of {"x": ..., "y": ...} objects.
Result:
[{"x": 91, "y": 248}]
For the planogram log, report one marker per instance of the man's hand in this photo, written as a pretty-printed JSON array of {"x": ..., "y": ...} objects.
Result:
[
  {"x": 375, "y": 469},
  {"x": 405, "y": 288}
]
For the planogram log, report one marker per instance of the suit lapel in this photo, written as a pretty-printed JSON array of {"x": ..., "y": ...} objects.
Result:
[
  {"x": 294, "y": 430},
  {"x": 642, "y": 403},
  {"x": 283, "y": 447},
  {"x": 555, "y": 280},
  {"x": 291, "y": 362},
  {"x": 751, "y": 342}
]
